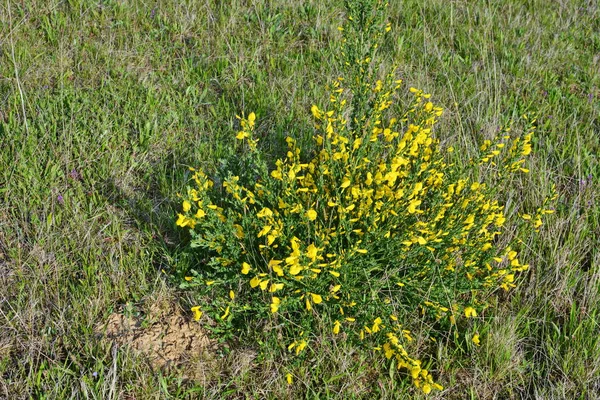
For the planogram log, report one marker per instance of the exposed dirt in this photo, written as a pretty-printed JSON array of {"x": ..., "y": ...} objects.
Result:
[{"x": 168, "y": 341}]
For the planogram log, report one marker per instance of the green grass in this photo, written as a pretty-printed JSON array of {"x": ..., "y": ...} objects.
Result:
[{"x": 129, "y": 94}]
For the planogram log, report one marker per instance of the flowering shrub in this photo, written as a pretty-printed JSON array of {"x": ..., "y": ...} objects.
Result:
[{"x": 361, "y": 233}]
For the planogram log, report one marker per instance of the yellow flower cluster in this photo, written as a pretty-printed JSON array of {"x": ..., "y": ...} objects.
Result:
[
  {"x": 421, "y": 377},
  {"x": 313, "y": 230},
  {"x": 368, "y": 226},
  {"x": 366, "y": 231}
]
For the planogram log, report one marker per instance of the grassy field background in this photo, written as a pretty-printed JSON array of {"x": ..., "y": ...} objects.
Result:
[{"x": 105, "y": 104}]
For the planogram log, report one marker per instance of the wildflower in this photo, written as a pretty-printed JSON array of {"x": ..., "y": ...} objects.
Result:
[
  {"x": 317, "y": 299},
  {"x": 266, "y": 229},
  {"x": 376, "y": 186},
  {"x": 254, "y": 282},
  {"x": 274, "y": 265},
  {"x": 275, "y": 302},
  {"x": 184, "y": 221},
  {"x": 315, "y": 112},
  {"x": 251, "y": 119},
  {"x": 289, "y": 378},
  {"x": 311, "y": 252},
  {"x": 295, "y": 269},
  {"x": 336, "y": 327},
  {"x": 275, "y": 287},
  {"x": 226, "y": 314},
  {"x": 426, "y": 388},
  {"x": 470, "y": 312},
  {"x": 376, "y": 325},
  {"x": 245, "y": 268},
  {"x": 301, "y": 346},
  {"x": 412, "y": 207},
  {"x": 197, "y": 312}
]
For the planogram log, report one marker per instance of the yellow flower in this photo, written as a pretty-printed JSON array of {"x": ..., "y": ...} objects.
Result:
[
  {"x": 412, "y": 207},
  {"x": 263, "y": 284},
  {"x": 277, "y": 174},
  {"x": 301, "y": 346},
  {"x": 265, "y": 212},
  {"x": 245, "y": 268},
  {"x": 274, "y": 265},
  {"x": 311, "y": 214},
  {"x": 289, "y": 378},
  {"x": 254, "y": 282},
  {"x": 275, "y": 302},
  {"x": 231, "y": 295},
  {"x": 470, "y": 312},
  {"x": 476, "y": 339},
  {"x": 295, "y": 269},
  {"x": 414, "y": 371},
  {"x": 500, "y": 220},
  {"x": 275, "y": 287},
  {"x": 376, "y": 325},
  {"x": 311, "y": 252},
  {"x": 226, "y": 314},
  {"x": 197, "y": 312},
  {"x": 264, "y": 230},
  {"x": 317, "y": 299},
  {"x": 186, "y": 206},
  {"x": 241, "y": 135},
  {"x": 188, "y": 278},
  {"x": 336, "y": 327},
  {"x": 251, "y": 119},
  {"x": 315, "y": 112},
  {"x": 181, "y": 220}
]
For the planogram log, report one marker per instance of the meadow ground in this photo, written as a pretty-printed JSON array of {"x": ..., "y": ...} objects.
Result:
[{"x": 105, "y": 104}]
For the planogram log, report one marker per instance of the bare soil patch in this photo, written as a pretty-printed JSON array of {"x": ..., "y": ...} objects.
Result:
[{"x": 168, "y": 341}]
